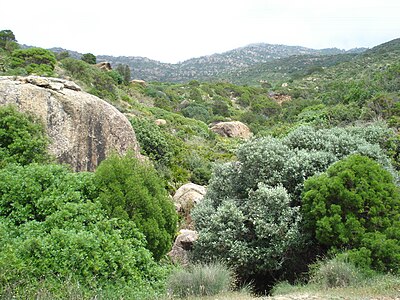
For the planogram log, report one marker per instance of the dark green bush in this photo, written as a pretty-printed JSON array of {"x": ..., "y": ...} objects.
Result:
[
  {"x": 131, "y": 190},
  {"x": 153, "y": 142},
  {"x": 22, "y": 138},
  {"x": 35, "y": 61},
  {"x": 355, "y": 204},
  {"x": 52, "y": 226}
]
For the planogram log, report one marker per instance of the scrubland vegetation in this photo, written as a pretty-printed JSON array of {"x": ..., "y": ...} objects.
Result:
[{"x": 310, "y": 204}]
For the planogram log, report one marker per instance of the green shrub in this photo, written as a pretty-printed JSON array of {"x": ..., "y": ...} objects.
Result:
[
  {"x": 52, "y": 226},
  {"x": 355, "y": 204},
  {"x": 200, "y": 280},
  {"x": 251, "y": 233},
  {"x": 89, "y": 58},
  {"x": 153, "y": 142},
  {"x": 98, "y": 82},
  {"x": 35, "y": 60},
  {"x": 197, "y": 111},
  {"x": 131, "y": 190},
  {"x": 22, "y": 138}
]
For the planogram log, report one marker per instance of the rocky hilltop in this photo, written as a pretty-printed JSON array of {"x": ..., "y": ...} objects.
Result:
[
  {"x": 83, "y": 128},
  {"x": 218, "y": 66}
]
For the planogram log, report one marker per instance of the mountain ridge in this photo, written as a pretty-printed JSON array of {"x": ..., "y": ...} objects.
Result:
[{"x": 217, "y": 66}]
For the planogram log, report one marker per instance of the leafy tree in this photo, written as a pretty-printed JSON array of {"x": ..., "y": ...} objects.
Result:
[
  {"x": 197, "y": 111},
  {"x": 35, "y": 60},
  {"x": 354, "y": 204},
  {"x": 131, "y": 190},
  {"x": 125, "y": 72},
  {"x": 89, "y": 58},
  {"x": 62, "y": 55},
  {"x": 22, "y": 138},
  {"x": 7, "y": 40},
  {"x": 254, "y": 235}
]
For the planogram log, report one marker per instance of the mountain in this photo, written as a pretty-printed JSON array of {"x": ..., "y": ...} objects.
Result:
[{"x": 219, "y": 66}]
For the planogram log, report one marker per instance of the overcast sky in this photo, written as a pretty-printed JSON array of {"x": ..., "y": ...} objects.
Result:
[{"x": 175, "y": 30}]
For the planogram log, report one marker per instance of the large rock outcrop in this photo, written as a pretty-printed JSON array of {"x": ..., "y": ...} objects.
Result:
[
  {"x": 233, "y": 129},
  {"x": 83, "y": 128}
]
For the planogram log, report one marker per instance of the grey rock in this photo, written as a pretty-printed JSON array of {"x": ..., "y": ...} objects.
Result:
[{"x": 83, "y": 129}]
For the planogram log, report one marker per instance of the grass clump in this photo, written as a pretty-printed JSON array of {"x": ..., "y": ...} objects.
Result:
[
  {"x": 334, "y": 273},
  {"x": 200, "y": 280}
]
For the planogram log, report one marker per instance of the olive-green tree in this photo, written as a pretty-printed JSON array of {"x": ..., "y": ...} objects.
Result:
[
  {"x": 89, "y": 58},
  {"x": 131, "y": 190},
  {"x": 7, "y": 40}
]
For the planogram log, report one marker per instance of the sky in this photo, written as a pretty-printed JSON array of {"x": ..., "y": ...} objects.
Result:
[{"x": 176, "y": 30}]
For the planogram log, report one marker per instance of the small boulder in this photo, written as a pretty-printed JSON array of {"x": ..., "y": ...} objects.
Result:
[
  {"x": 185, "y": 198},
  {"x": 188, "y": 195},
  {"x": 139, "y": 82},
  {"x": 182, "y": 245},
  {"x": 160, "y": 122},
  {"x": 233, "y": 129},
  {"x": 106, "y": 66}
]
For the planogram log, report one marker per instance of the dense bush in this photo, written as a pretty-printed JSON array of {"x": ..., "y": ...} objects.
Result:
[
  {"x": 131, "y": 190},
  {"x": 51, "y": 226},
  {"x": 249, "y": 217},
  {"x": 98, "y": 82},
  {"x": 252, "y": 234},
  {"x": 355, "y": 204},
  {"x": 22, "y": 138},
  {"x": 153, "y": 141},
  {"x": 36, "y": 61}
]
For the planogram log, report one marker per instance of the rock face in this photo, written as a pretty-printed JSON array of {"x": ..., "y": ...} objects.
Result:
[
  {"x": 182, "y": 245},
  {"x": 232, "y": 129},
  {"x": 83, "y": 128},
  {"x": 106, "y": 66}
]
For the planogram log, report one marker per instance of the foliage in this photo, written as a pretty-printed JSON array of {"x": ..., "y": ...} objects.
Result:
[
  {"x": 98, "y": 83},
  {"x": 51, "y": 226},
  {"x": 8, "y": 41},
  {"x": 130, "y": 190},
  {"x": 249, "y": 217},
  {"x": 22, "y": 138},
  {"x": 89, "y": 58},
  {"x": 252, "y": 234},
  {"x": 355, "y": 204},
  {"x": 125, "y": 72},
  {"x": 37, "y": 61},
  {"x": 153, "y": 142},
  {"x": 200, "y": 280}
]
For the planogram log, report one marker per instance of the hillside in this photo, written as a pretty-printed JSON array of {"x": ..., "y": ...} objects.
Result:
[{"x": 221, "y": 66}]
